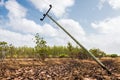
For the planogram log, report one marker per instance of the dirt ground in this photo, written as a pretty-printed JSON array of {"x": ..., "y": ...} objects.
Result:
[{"x": 58, "y": 69}]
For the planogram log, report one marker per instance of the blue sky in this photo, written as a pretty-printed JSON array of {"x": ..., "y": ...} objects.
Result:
[{"x": 94, "y": 23}]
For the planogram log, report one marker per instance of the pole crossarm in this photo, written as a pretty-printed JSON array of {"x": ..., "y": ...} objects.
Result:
[
  {"x": 94, "y": 58},
  {"x": 44, "y": 15}
]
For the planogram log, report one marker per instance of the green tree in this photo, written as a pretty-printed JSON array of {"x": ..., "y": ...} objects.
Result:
[
  {"x": 98, "y": 53},
  {"x": 70, "y": 49},
  {"x": 11, "y": 51},
  {"x": 3, "y": 49},
  {"x": 41, "y": 47}
]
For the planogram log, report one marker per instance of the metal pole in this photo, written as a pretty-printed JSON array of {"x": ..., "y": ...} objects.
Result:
[{"x": 101, "y": 64}]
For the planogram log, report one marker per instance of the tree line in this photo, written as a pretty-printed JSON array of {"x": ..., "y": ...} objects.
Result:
[{"x": 42, "y": 51}]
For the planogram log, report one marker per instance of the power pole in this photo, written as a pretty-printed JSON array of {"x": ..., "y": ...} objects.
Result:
[{"x": 94, "y": 58}]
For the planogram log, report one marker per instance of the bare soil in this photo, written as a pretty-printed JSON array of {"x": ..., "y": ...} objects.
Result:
[{"x": 58, "y": 69}]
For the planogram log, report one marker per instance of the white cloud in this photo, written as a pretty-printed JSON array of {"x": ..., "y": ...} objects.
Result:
[
  {"x": 73, "y": 27},
  {"x": 106, "y": 42},
  {"x": 115, "y": 4},
  {"x": 15, "y": 9},
  {"x": 108, "y": 38},
  {"x": 19, "y": 22},
  {"x": 59, "y": 6},
  {"x": 16, "y": 39},
  {"x": 17, "y": 18},
  {"x": 24, "y": 25},
  {"x": 48, "y": 30},
  {"x": 110, "y": 25}
]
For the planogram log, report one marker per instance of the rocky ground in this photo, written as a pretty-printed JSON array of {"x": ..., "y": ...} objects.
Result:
[{"x": 58, "y": 69}]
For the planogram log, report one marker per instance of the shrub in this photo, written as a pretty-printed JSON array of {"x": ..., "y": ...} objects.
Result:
[
  {"x": 63, "y": 55},
  {"x": 113, "y": 55}
]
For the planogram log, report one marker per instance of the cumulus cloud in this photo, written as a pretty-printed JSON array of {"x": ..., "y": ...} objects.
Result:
[
  {"x": 110, "y": 25},
  {"x": 16, "y": 39},
  {"x": 59, "y": 6},
  {"x": 73, "y": 27},
  {"x": 15, "y": 9},
  {"x": 108, "y": 31},
  {"x": 115, "y": 4},
  {"x": 107, "y": 42},
  {"x": 19, "y": 22},
  {"x": 49, "y": 30},
  {"x": 25, "y": 26},
  {"x": 17, "y": 18}
]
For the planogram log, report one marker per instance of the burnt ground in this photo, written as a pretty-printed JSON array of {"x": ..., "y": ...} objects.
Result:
[{"x": 58, "y": 69}]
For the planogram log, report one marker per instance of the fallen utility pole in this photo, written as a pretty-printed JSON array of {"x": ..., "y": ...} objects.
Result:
[{"x": 94, "y": 58}]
